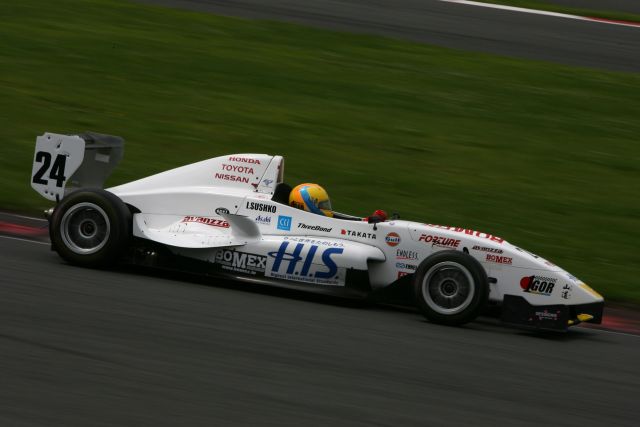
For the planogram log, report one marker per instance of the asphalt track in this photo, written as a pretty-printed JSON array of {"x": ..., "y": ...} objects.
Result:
[
  {"x": 82, "y": 347},
  {"x": 565, "y": 41}
]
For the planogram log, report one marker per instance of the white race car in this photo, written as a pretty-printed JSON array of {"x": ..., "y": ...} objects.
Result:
[{"x": 229, "y": 216}]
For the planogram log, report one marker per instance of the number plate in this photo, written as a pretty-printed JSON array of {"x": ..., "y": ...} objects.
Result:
[{"x": 56, "y": 158}]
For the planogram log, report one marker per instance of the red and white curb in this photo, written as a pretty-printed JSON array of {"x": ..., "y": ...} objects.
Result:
[
  {"x": 545, "y": 13},
  {"x": 22, "y": 230},
  {"x": 24, "y": 227},
  {"x": 618, "y": 319}
]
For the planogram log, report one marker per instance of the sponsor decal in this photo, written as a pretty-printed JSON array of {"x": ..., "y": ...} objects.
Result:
[
  {"x": 443, "y": 242},
  {"x": 403, "y": 273},
  {"x": 264, "y": 220},
  {"x": 538, "y": 284},
  {"x": 485, "y": 249},
  {"x": 498, "y": 259},
  {"x": 241, "y": 262},
  {"x": 314, "y": 228},
  {"x": 392, "y": 239},
  {"x": 406, "y": 266},
  {"x": 221, "y": 211},
  {"x": 469, "y": 232},
  {"x": 238, "y": 169},
  {"x": 267, "y": 182},
  {"x": 566, "y": 291},
  {"x": 244, "y": 160},
  {"x": 546, "y": 315},
  {"x": 315, "y": 241},
  {"x": 361, "y": 234},
  {"x": 208, "y": 221},
  {"x": 306, "y": 263},
  {"x": 261, "y": 207},
  {"x": 227, "y": 177},
  {"x": 406, "y": 254},
  {"x": 284, "y": 223}
]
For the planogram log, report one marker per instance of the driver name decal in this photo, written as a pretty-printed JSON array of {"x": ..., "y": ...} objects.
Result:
[{"x": 261, "y": 207}]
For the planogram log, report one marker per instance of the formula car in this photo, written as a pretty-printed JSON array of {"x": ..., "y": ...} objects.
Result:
[{"x": 230, "y": 216}]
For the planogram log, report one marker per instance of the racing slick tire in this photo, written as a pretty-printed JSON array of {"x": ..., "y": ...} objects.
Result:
[
  {"x": 90, "y": 228},
  {"x": 451, "y": 288}
]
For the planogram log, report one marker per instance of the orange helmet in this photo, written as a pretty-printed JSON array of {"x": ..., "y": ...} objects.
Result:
[{"x": 311, "y": 198}]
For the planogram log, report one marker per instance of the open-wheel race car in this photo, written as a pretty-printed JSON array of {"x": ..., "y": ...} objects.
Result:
[{"x": 230, "y": 216}]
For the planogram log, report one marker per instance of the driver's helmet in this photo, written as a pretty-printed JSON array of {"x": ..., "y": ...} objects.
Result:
[{"x": 311, "y": 198}]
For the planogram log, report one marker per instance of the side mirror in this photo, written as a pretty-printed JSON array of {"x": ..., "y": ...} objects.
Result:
[{"x": 374, "y": 219}]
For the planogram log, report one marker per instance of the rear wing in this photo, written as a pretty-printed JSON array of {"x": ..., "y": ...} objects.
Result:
[{"x": 83, "y": 160}]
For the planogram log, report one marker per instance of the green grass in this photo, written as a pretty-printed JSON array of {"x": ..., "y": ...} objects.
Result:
[
  {"x": 596, "y": 13},
  {"x": 544, "y": 155}
]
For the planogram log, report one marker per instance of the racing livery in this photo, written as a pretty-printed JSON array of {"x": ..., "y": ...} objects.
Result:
[{"x": 229, "y": 216}]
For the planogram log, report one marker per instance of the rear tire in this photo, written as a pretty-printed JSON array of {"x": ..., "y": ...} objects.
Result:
[
  {"x": 451, "y": 288},
  {"x": 91, "y": 228}
]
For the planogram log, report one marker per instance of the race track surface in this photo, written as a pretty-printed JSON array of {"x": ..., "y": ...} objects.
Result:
[
  {"x": 452, "y": 25},
  {"x": 81, "y": 347}
]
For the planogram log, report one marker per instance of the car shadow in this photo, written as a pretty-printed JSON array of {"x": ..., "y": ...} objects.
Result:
[{"x": 489, "y": 321}]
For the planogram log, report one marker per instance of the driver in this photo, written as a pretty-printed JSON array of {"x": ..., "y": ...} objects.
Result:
[{"x": 313, "y": 198}]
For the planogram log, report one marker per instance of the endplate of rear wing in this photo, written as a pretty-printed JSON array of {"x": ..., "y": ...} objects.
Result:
[{"x": 83, "y": 160}]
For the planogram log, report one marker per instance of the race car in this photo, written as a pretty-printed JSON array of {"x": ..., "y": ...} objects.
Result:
[{"x": 230, "y": 216}]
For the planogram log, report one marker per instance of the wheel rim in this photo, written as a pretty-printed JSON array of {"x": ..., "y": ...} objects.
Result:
[
  {"x": 85, "y": 228},
  {"x": 448, "y": 288}
]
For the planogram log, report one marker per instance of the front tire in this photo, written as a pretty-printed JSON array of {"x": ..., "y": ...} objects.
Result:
[
  {"x": 451, "y": 288},
  {"x": 91, "y": 228}
]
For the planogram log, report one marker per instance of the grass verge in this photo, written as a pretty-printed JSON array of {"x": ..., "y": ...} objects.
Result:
[{"x": 544, "y": 155}]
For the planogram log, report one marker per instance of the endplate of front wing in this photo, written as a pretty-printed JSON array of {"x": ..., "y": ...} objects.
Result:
[{"x": 517, "y": 311}]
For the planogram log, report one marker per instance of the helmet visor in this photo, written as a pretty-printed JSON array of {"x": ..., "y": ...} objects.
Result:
[{"x": 325, "y": 205}]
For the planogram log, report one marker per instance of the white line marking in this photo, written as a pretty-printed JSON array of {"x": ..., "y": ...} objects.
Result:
[
  {"x": 22, "y": 216},
  {"x": 515, "y": 9},
  {"x": 609, "y": 331},
  {"x": 543, "y": 12},
  {"x": 24, "y": 240}
]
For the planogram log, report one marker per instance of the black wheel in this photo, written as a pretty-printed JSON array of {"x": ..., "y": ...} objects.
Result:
[
  {"x": 90, "y": 227},
  {"x": 451, "y": 288}
]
